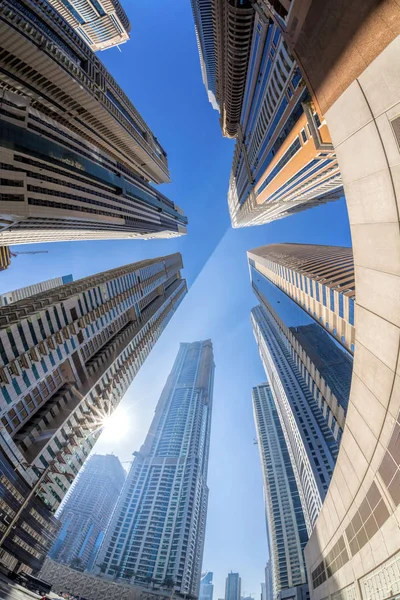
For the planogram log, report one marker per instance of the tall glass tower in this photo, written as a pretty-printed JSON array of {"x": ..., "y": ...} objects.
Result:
[
  {"x": 206, "y": 586},
  {"x": 323, "y": 364},
  {"x": 157, "y": 530},
  {"x": 233, "y": 586},
  {"x": 287, "y": 532},
  {"x": 312, "y": 446}
]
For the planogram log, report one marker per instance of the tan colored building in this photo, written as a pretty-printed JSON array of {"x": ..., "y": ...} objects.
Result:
[
  {"x": 284, "y": 160},
  {"x": 319, "y": 278},
  {"x": 77, "y": 158},
  {"x": 101, "y": 24}
]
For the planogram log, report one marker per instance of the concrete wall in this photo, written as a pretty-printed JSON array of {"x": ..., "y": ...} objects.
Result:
[{"x": 358, "y": 530}]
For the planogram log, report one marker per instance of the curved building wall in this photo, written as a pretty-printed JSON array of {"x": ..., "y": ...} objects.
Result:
[{"x": 354, "y": 551}]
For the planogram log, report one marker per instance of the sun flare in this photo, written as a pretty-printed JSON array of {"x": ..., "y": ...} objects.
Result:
[{"x": 115, "y": 426}]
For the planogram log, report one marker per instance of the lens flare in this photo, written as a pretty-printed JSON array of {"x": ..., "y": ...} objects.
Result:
[{"x": 115, "y": 426}]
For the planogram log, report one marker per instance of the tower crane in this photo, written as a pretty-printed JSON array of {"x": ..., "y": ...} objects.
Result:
[{"x": 31, "y": 252}]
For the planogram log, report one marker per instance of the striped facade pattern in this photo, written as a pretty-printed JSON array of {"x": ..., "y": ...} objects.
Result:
[
  {"x": 68, "y": 355},
  {"x": 101, "y": 24},
  {"x": 76, "y": 155},
  {"x": 312, "y": 448},
  {"x": 332, "y": 406},
  {"x": 284, "y": 160},
  {"x": 204, "y": 27},
  {"x": 31, "y": 290},
  {"x": 158, "y": 526},
  {"x": 287, "y": 532},
  {"x": 319, "y": 278}
]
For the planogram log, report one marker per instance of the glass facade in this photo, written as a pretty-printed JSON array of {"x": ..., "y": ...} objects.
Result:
[
  {"x": 159, "y": 523},
  {"x": 287, "y": 531}
]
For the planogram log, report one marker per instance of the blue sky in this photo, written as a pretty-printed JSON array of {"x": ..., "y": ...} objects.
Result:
[{"x": 159, "y": 69}]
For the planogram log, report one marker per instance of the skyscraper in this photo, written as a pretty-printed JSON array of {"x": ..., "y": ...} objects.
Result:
[
  {"x": 35, "y": 288},
  {"x": 284, "y": 161},
  {"x": 268, "y": 581},
  {"x": 206, "y": 586},
  {"x": 319, "y": 278},
  {"x": 158, "y": 527},
  {"x": 203, "y": 20},
  {"x": 87, "y": 511},
  {"x": 233, "y": 586},
  {"x": 101, "y": 24},
  {"x": 67, "y": 356},
  {"x": 323, "y": 364},
  {"x": 287, "y": 531},
  {"x": 77, "y": 157},
  {"x": 312, "y": 447}
]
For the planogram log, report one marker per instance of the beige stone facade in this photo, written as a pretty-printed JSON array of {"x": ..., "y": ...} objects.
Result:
[{"x": 353, "y": 552}]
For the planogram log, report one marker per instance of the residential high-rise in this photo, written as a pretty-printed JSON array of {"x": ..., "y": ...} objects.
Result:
[
  {"x": 312, "y": 447},
  {"x": 233, "y": 586},
  {"x": 77, "y": 157},
  {"x": 101, "y": 24},
  {"x": 319, "y": 278},
  {"x": 67, "y": 356},
  {"x": 323, "y": 364},
  {"x": 349, "y": 55},
  {"x": 203, "y": 19},
  {"x": 206, "y": 586},
  {"x": 87, "y": 511},
  {"x": 35, "y": 288},
  {"x": 284, "y": 161},
  {"x": 287, "y": 531},
  {"x": 158, "y": 527}
]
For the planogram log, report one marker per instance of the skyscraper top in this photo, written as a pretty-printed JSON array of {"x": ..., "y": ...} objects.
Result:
[
  {"x": 320, "y": 279},
  {"x": 101, "y": 23},
  {"x": 332, "y": 265}
]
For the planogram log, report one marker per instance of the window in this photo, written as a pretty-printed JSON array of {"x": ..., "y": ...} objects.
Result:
[
  {"x": 351, "y": 311},
  {"x": 324, "y": 295},
  {"x": 304, "y": 135},
  {"x": 341, "y": 311},
  {"x": 332, "y": 300}
]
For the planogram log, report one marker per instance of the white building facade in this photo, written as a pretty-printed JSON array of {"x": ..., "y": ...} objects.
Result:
[
  {"x": 158, "y": 527},
  {"x": 35, "y": 288},
  {"x": 310, "y": 442}
]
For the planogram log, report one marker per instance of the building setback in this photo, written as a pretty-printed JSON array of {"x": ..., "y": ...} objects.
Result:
[
  {"x": 35, "y": 288},
  {"x": 158, "y": 527},
  {"x": 77, "y": 157},
  {"x": 67, "y": 356},
  {"x": 86, "y": 512},
  {"x": 319, "y": 278},
  {"x": 324, "y": 365},
  {"x": 287, "y": 531},
  {"x": 101, "y": 24},
  {"x": 284, "y": 160},
  {"x": 312, "y": 447}
]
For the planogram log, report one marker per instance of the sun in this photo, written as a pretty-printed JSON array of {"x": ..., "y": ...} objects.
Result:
[{"x": 115, "y": 426}]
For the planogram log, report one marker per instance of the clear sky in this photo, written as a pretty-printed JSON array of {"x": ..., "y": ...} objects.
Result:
[{"x": 159, "y": 70}]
